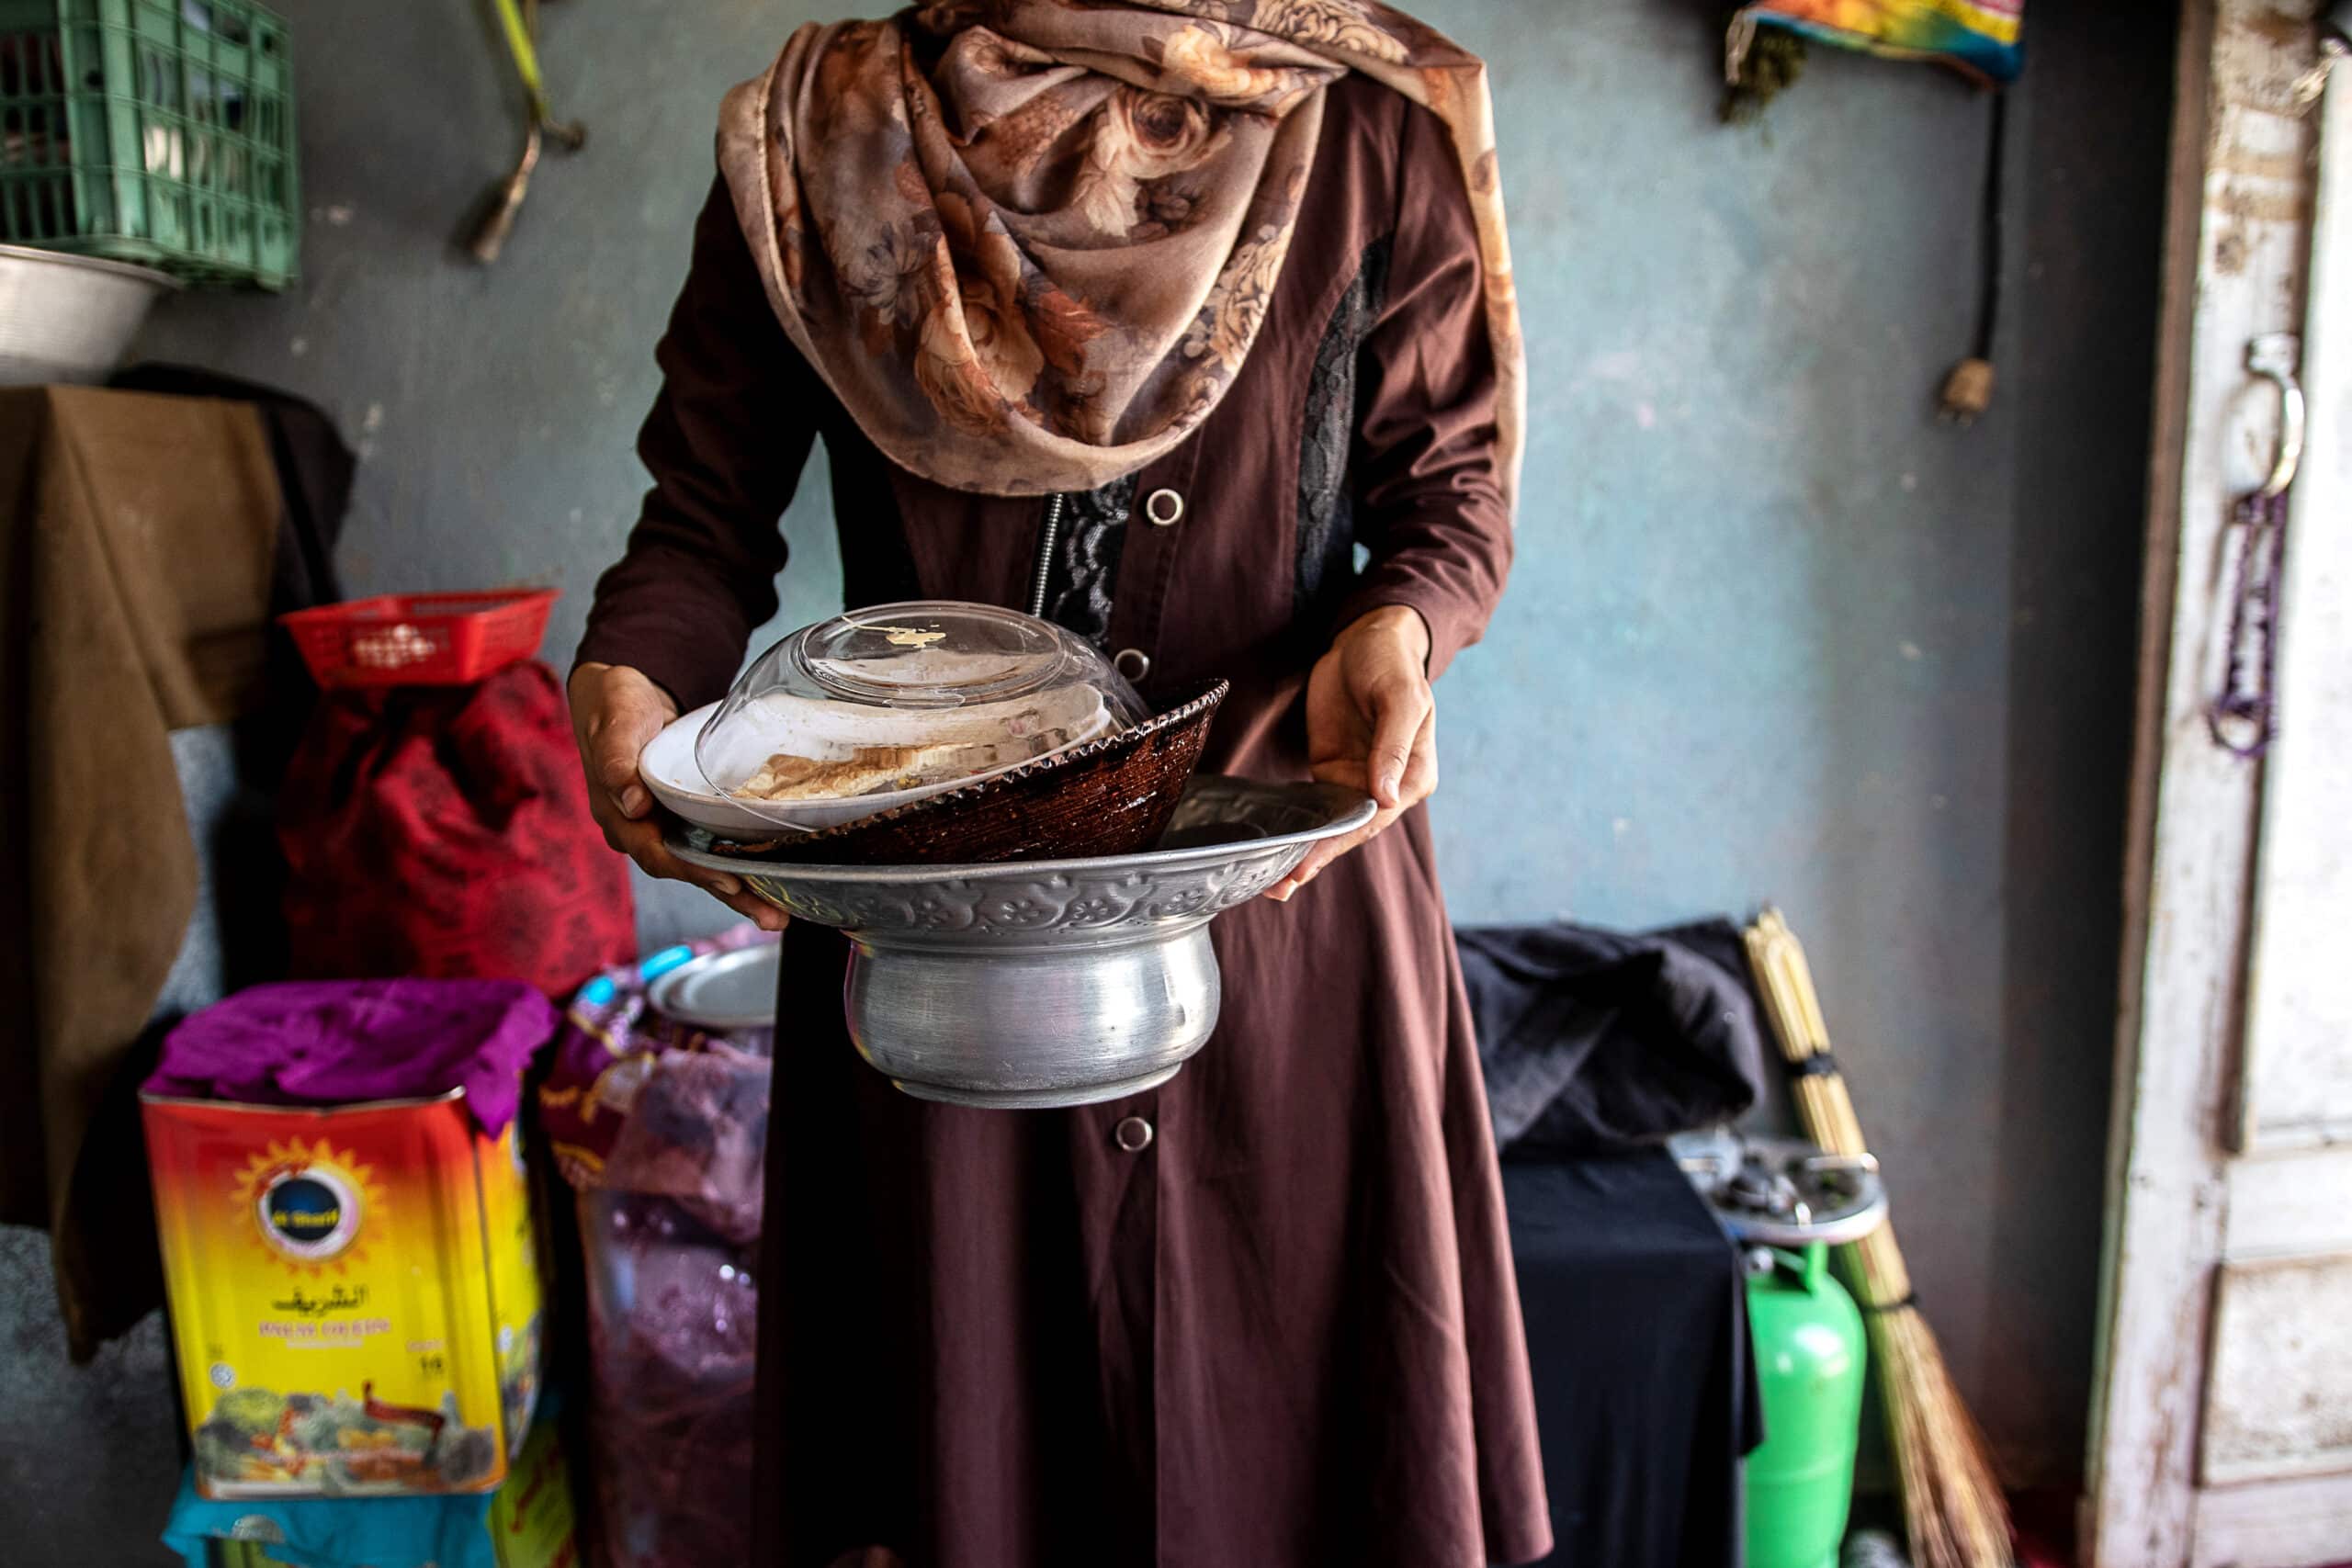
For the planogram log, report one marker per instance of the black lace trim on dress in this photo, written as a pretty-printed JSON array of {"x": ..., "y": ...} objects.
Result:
[
  {"x": 1327, "y": 440},
  {"x": 1086, "y": 560},
  {"x": 1085, "y": 568}
]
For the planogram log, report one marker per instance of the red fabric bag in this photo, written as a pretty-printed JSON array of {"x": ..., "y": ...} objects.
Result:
[{"x": 444, "y": 831}]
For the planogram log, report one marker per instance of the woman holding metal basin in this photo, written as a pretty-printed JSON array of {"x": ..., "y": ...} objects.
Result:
[{"x": 1190, "y": 322}]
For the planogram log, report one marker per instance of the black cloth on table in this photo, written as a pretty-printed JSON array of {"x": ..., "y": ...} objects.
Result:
[
  {"x": 1597, "y": 1046},
  {"x": 1637, "y": 1334},
  {"x": 1594, "y": 1041}
]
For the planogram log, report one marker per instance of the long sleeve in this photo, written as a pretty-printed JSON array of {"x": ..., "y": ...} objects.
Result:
[
  {"x": 1430, "y": 505},
  {"x": 725, "y": 443}
]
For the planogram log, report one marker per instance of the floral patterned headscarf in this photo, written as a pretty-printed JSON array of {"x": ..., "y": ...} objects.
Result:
[{"x": 1028, "y": 244}]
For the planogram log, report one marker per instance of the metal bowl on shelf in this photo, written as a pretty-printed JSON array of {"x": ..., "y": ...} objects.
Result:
[
  {"x": 1052, "y": 982},
  {"x": 70, "y": 318}
]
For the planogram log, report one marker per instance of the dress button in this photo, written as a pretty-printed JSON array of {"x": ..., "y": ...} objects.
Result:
[
  {"x": 1132, "y": 662},
  {"x": 1133, "y": 1134},
  {"x": 1163, "y": 507}
]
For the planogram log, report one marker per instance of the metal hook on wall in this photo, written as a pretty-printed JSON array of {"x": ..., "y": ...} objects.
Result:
[
  {"x": 2274, "y": 357},
  {"x": 2243, "y": 716}
]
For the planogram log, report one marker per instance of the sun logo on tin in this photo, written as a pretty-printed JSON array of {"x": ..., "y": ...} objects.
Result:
[{"x": 306, "y": 1204}]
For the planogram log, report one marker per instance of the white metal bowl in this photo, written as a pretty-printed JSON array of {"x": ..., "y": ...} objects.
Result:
[
  {"x": 668, "y": 767},
  {"x": 68, "y": 318}
]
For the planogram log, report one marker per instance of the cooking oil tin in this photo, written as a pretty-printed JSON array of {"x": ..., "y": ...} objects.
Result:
[
  {"x": 528, "y": 1524},
  {"x": 355, "y": 1295}
]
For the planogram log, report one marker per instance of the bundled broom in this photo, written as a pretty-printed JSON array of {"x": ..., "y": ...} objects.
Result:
[{"x": 1952, "y": 1506}]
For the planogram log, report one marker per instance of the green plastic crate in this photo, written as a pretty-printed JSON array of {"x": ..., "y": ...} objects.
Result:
[{"x": 156, "y": 132}]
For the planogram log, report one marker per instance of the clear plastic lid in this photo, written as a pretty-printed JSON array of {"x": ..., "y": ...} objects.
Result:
[{"x": 874, "y": 708}]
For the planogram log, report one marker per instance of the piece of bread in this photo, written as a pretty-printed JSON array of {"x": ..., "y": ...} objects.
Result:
[{"x": 868, "y": 769}]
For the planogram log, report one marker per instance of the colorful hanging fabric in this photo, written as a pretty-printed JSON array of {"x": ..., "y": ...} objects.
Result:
[{"x": 1979, "y": 38}]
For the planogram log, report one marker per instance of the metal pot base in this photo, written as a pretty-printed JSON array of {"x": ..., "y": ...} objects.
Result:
[
  {"x": 1037, "y": 1100},
  {"x": 1051, "y": 983}
]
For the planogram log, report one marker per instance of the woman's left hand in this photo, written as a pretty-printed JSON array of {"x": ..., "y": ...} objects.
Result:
[{"x": 1371, "y": 725}]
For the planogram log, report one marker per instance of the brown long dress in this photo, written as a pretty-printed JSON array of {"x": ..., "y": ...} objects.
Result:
[{"x": 1284, "y": 1332}]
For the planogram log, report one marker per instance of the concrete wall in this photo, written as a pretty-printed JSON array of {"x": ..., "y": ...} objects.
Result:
[{"x": 1774, "y": 633}]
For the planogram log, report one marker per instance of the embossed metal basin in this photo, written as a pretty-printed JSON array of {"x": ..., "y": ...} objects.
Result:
[{"x": 1048, "y": 983}]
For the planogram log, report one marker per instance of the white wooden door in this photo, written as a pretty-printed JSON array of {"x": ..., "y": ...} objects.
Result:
[{"x": 2222, "y": 1428}]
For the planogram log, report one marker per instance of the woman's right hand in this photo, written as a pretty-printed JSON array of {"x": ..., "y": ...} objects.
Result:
[{"x": 615, "y": 711}]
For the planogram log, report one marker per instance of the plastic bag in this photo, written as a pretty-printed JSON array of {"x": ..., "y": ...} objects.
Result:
[
  {"x": 674, "y": 1330},
  {"x": 662, "y": 1129}
]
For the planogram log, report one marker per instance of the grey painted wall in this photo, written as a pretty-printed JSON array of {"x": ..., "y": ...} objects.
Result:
[{"x": 1773, "y": 634}]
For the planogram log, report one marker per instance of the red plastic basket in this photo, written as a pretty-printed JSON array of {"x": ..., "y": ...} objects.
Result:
[{"x": 420, "y": 639}]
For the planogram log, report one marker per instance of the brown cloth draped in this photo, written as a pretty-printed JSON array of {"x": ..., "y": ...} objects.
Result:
[
  {"x": 134, "y": 594},
  {"x": 1284, "y": 1331}
]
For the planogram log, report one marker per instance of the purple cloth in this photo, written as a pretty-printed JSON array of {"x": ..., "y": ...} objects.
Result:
[{"x": 349, "y": 1042}]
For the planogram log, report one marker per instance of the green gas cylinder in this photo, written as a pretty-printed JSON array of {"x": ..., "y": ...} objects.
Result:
[
  {"x": 1810, "y": 1355},
  {"x": 1785, "y": 1204}
]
